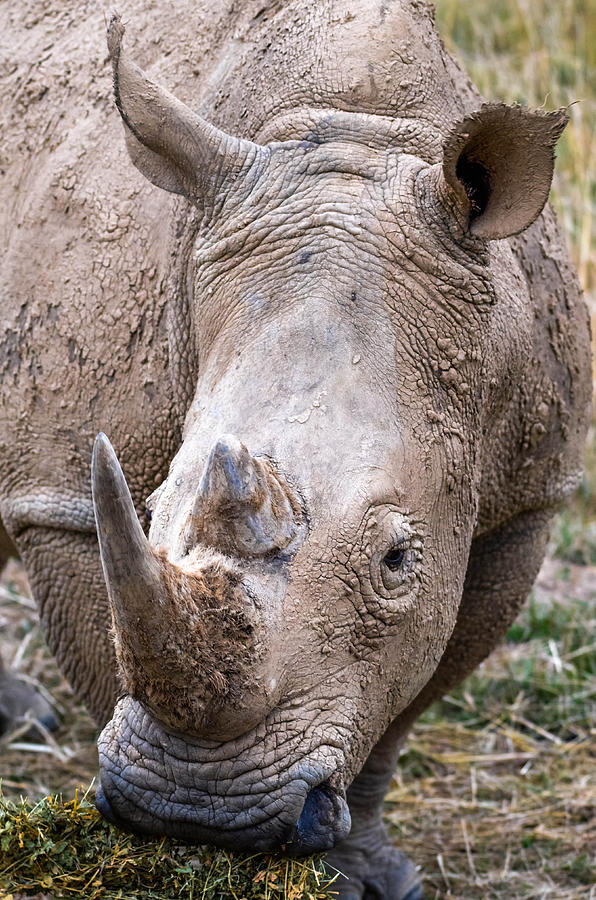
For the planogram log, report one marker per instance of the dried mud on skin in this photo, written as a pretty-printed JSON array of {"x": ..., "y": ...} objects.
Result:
[{"x": 498, "y": 809}]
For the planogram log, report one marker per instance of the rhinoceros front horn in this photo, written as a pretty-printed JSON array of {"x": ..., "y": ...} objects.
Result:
[
  {"x": 243, "y": 507},
  {"x": 131, "y": 569}
]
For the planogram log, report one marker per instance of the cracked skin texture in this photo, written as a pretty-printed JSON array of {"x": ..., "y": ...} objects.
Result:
[{"x": 331, "y": 307}]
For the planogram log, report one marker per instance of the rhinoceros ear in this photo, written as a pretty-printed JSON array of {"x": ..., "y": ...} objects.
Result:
[
  {"x": 173, "y": 147},
  {"x": 499, "y": 161}
]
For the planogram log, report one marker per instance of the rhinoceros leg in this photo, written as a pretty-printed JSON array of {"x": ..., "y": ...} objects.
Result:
[
  {"x": 17, "y": 697},
  {"x": 7, "y": 548},
  {"x": 501, "y": 571},
  {"x": 372, "y": 866}
]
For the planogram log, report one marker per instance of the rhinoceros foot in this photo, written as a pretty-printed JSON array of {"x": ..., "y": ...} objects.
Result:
[
  {"x": 20, "y": 702},
  {"x": 383, "y": 874}
]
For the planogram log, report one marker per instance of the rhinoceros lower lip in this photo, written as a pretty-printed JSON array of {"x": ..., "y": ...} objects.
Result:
[
  {"x": 324, "y": 821},
  {"x": 232, "y": 795}
]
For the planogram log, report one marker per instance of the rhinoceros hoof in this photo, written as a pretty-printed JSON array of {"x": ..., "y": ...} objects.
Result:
[
  {"x": 20, "y": 701},
  {"x": 384, "y": 874}
]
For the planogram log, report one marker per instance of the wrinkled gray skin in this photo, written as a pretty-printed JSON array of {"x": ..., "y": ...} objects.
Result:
[{"x": 359, "y": 396}]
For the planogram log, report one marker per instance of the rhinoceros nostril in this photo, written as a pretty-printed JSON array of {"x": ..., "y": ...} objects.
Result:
[{"x": 324, "y": 820}]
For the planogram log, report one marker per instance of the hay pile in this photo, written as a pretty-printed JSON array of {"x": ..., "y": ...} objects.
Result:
[{"x": 66, "y": 849}]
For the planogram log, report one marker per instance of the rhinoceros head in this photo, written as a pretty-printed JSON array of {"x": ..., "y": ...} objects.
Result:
[{"x": 307, "y": 551}]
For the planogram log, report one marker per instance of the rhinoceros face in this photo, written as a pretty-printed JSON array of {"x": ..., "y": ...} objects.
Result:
[{"x": 308, "y": 548}]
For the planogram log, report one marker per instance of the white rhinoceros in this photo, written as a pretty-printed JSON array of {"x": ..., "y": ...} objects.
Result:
[{"x": 343, "y": 354}]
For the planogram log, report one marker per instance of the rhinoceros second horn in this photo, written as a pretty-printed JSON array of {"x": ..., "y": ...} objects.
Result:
[{"x": 243, "y": 506}]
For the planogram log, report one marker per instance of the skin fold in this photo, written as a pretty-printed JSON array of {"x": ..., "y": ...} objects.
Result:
[{"x": 334, "y": 337}]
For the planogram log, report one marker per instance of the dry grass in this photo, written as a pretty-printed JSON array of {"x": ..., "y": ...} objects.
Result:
[
  {"x": 497, "y": 813},
  {"x": 496, "y": 792}
]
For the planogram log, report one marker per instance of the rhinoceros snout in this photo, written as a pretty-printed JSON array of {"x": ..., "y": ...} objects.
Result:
[{"x": 240, "y": 794}]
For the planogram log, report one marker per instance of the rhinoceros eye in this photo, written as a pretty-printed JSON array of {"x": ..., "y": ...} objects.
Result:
[
  {"x": 394, "y": 558},
  {"x": 395, "y": 551}
]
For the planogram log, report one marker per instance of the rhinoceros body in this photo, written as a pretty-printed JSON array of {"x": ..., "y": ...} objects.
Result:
[{"x": 344, "y": 361}]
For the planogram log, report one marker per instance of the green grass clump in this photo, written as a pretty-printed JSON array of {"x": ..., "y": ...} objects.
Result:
[{"x": 67, "y": 849}]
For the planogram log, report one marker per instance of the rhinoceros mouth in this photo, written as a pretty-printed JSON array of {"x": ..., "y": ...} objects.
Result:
[{"x": 232, "y": 795}]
